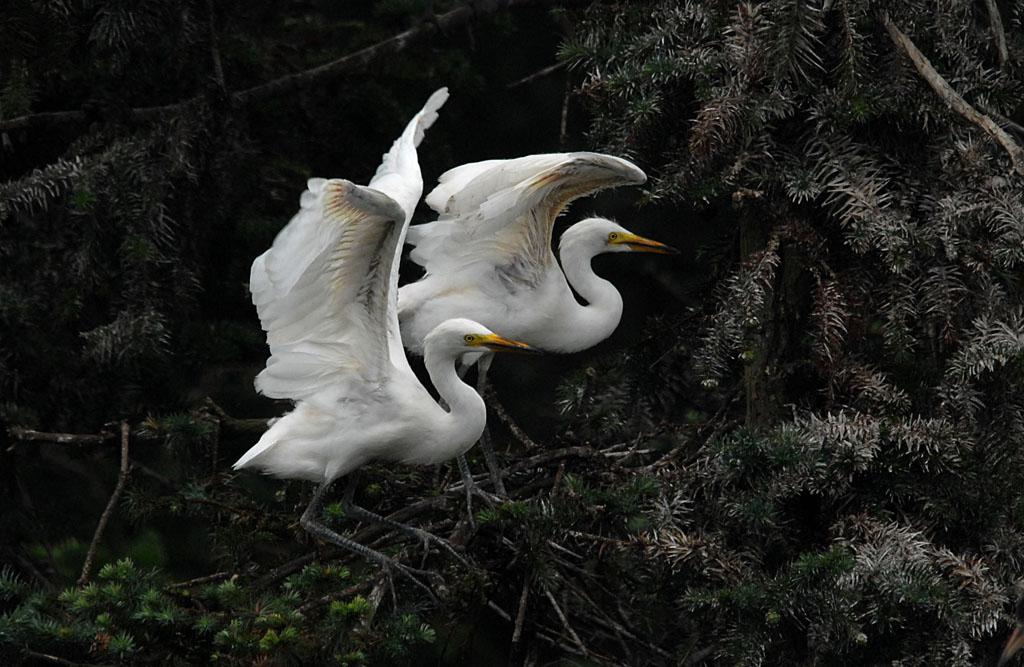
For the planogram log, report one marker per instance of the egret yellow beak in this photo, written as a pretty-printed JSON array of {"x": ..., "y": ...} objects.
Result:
[
  {"x": 641, "y": 244},
  {"x": 1012, "y": 645},
  {"x": 499, "y": 344}
]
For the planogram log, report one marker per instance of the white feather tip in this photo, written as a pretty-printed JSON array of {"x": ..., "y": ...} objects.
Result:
[{"x": 428, "y": 114}]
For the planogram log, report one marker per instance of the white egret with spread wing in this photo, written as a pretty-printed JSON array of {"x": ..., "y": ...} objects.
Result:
[
  {"x": 488, "y": 257},
  {"x": 326, "y": 294}
]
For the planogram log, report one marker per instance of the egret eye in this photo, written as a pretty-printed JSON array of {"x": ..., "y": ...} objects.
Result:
[
  {"x": 613, "y": 236},
  {"x": 469, "y": 338}
]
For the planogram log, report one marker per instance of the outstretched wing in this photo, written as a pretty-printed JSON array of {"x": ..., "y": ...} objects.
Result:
[
  {"x": 498, "y": 215},
  {"x": 322, "y": 291},
  {"x": 400, "y": 178}
]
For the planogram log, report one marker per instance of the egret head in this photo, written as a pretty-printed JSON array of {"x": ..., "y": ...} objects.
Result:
[
  {"x": 461, "y": 336},
  {"x": 602, "y": 235}
]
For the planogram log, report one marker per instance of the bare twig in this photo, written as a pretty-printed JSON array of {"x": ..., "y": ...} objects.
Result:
[
  {"x": 517, "y": 632},
  {"x": 52, "y": 659},
  {"x": 553, "y": 455},
  {"x": 565, "y": 623},
  {"x": 953, "y": 98},
  {"x": 28, "y": 435},
  {"x": 539, "y": 73},
  {"x": 1003, "y": 120},
  {"x": 240, "y": 511},
  {"x": 505, "y": 417},
  {"x": 232, "y": 426},
  {"x": 337, "y": 595},
  {"x": 605, "y": 540},
  {"x": 493, "y": 606},
  {"x": 604, "y": 619},
  {"x": 122, "y": 477},
  {"x": 282, "y": 571},
  {"x": 202, "y": 580},
  {"x": 996, "y": 21}
]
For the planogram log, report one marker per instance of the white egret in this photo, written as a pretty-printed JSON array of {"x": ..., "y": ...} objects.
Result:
[
  {"x": 326, "y": 294},
  {"x": 488, "y": 257}
]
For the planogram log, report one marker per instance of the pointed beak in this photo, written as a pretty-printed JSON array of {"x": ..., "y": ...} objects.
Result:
[
  {"x": 499, "y": 344},
  {"x": 641, "y": 244},
  {"x": 1012, "y": 645}
]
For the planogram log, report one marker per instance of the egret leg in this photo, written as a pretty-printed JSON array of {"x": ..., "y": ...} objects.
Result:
[
  {"x": 310, "y": 522},
  {"x": 467, "y": 477},
  {"x": 490, "y": 459},
  {"x": 472, "y": 489}
]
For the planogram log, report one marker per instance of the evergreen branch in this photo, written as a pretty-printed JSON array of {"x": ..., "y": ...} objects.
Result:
[
  {"x": 122, "y": 477},
  {"x": 442, "y": 23},
  {"x": 953, "y": 98}
]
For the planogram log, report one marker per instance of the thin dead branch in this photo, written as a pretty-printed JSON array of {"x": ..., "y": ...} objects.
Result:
[
  {"x": 953, "y": 98},
  {"x": 538, "y": 74},
  {"x": 29, "y": 435},
  {"x": 282, "y": 571},
  {"x": 506, "y": 418},
  {"x": 122, "y": 477},
  {"x": 565, "y": 623},
  {"x": 52, "y": 659},
  {"x": 231, "y": 426},
  {"x": 996, "y": 21},
  {"x": 338, "y": 595},
  {"x": 210, "y": 578},
  {"x": 517, "y": 632}
]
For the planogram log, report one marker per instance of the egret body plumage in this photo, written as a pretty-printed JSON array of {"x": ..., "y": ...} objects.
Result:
[
  {"x": 488, "y": 256},
  {"x": 326, "y": 295}
]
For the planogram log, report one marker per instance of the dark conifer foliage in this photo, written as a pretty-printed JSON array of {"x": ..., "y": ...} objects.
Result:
[
  {"x": 865, "y": 339},
  {"x": 812, "y": 457}
]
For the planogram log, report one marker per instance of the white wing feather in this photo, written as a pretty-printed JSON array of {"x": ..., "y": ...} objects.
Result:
[
  {"x": 326, "y": 293},
  {"x": 500, "y": 214},
  {"x": 321, "y": 291},
  {"x": 326, "y": 290},
  {"x": 399, "y": 176}
]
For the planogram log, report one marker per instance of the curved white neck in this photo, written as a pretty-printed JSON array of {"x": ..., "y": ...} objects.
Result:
[
  {"x": 461, "y": 426},
  {"x": 594, "y": 322}
]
